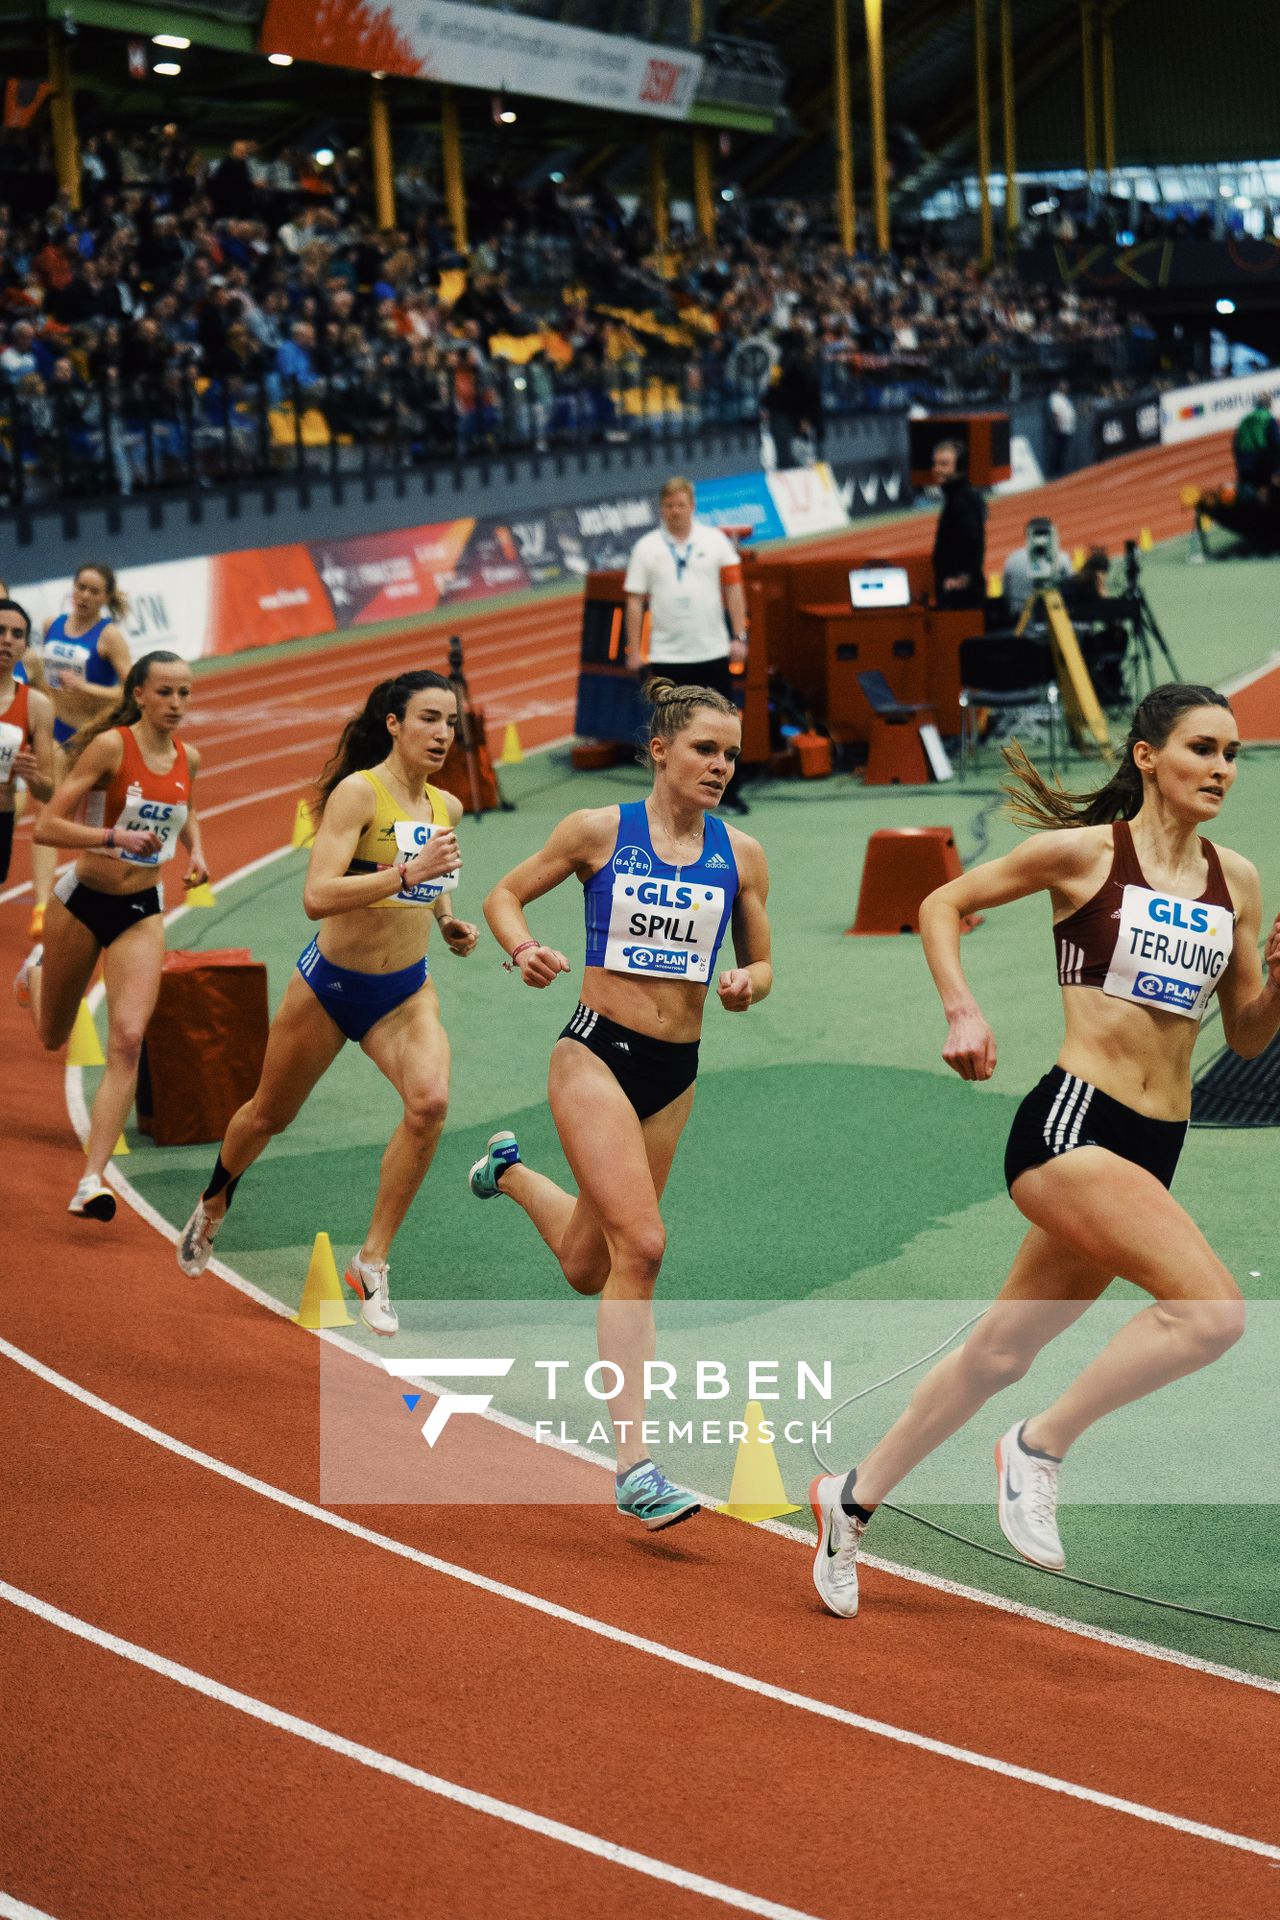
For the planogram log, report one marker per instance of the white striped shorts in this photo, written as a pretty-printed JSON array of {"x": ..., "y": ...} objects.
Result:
[{"x": 1062, "y": 1111}]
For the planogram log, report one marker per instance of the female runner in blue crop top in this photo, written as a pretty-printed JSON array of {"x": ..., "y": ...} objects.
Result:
[
  {"x": 1149, "y": 921},
  {"x": 663, "y": 879}
]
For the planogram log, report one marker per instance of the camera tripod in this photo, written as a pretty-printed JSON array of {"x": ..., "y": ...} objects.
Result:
[{"x": 1145, "y": 637}]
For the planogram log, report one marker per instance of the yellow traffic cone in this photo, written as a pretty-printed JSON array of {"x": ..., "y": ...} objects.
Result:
[
  {"x": 757, "y": 1492},
  {"x": 304, "y": 826},
  {"x": 512, "y": 752},
  {"x": 201, "y": 896},
  {"x": 84, "y": 1048},
  {"x": 1077, "y": 558},
  {"x": 121, "y": 1146},
  {"x": 322, "y": 1301},
  {"x": 1145, "y": 542}
]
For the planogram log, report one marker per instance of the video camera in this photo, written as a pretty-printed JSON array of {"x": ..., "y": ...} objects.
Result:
[{"x": 1042, "y": 552}]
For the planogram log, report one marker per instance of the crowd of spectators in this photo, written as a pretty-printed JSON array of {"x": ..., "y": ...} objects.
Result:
[{"x": 226, "y": 313}]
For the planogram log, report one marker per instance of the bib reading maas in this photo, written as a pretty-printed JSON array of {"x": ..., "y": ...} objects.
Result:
[
  {"x": 1169, "y": 953},
  {"x": 411, "y": 837},
  {"x": 164, "y": 817},
  {"x": 663, "y": 929}
]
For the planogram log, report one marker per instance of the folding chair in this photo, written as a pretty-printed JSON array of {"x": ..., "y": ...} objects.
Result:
[{"x": 1005, "y": 672}]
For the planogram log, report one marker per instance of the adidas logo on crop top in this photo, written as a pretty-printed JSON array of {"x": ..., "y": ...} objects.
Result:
[
  {"x": 657, "y": 921},
  {"x": 137, "y": 797},
  {"x": 1153, "y": 949}
]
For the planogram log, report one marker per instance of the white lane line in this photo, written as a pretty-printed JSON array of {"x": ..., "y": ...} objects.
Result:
[
  {"x": 317, "y": 1736},
  {"x": 638, "y": 1643},
  {"x": 11, "y": 1909},
  {"x": 78, "y": 1113}
]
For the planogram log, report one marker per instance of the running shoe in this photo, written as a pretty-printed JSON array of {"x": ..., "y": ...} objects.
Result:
[
  {"x": 835, "y": 1563},
  {"x": 368, "y": 1279},
  {"x": 22, "y": 978},
  {"x": 36, "y": 929},
  {"x": 502, "y": 1152},
  {"x": 196, "y": 1245},
  {"x": 92, "y": 1200},
  {"x": 1027, "y": 1500},
  {"x": 645, "y": 1494}
]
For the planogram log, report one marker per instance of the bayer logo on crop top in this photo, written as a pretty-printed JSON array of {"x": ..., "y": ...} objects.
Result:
[{"x": 632, "y": 860}]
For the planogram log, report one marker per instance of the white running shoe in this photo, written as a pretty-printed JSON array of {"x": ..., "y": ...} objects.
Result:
[
  {"x": 196, "y": 1245},
  {"x": 92, "y": 1200},
  {"x": 368, "y": 1279},
  {"x": 22, "y": 978},
  {"x": 1027, "y": 1500},
  {"x": 835, "y": 1563}
]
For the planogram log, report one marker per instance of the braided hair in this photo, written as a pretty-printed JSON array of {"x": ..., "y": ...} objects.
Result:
[
  {"x": 364, "y": 741},
  {"x": 1034, "y": 803}
]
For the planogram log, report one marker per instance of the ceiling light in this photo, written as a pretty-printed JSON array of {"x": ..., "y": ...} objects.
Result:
[
  {"x": 1225, "y": 306},
  {"x": 324, "y": 156},
  {"x": 279, "y": 59},
  {"x": 508, "y": 116},
  {"x": 556, "y": 178},
  {"x": 726, "y": 193},
  {"x": 169, "y": 68},
  {"x": 379, "y": 73},
  {"x": 170, "y": 40}
]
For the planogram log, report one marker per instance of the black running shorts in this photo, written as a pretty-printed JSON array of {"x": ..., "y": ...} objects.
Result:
[
  {"x": 6, "y": 843},
  {"x": 1063, "y": 1111},
  {"x": 107, "y": 915},
  {"x": 652, "y": 1073}
]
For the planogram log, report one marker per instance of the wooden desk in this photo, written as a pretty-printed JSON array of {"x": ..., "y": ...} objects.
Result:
[{"x": 843, "y": 642}]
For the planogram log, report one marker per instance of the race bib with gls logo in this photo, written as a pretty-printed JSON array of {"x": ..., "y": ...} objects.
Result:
[
  {"x": 162, "y": 817},
  {"x": 411, "y": 837},
  {"x": 10, "y": 747},
  {"x": 665, "y": 929},
  {"x": 1169, "y": 953}
]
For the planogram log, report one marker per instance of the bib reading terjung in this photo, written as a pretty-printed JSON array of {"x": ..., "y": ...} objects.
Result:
[{"x": 1169, "y": 952}]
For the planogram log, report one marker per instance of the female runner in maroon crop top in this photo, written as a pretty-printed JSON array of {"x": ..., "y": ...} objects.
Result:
[{"x": 1149, "y": 921}]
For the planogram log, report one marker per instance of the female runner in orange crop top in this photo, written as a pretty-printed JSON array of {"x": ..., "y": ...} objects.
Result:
[
  {"x": 123, "y": 807},
  {"x": 1150, "y": 920},
  {"x": 383, "y": 867}
]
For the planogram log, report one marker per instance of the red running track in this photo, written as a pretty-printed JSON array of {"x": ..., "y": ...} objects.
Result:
[{"x": 126, "y": 1793}]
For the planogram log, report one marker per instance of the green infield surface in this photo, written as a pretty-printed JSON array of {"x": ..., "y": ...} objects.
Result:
[{"x": 837, "y": 1191}]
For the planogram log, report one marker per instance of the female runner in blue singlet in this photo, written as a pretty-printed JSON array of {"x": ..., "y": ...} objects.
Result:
[
  {"x": 663, "y": 879},
  {"x": 1150, "y": 921},
  {"x": 383, "y": 868},
  {"x": 83, "y": 664}
]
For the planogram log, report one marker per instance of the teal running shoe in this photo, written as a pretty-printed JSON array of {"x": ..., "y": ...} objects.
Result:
[
  {"x": 645, "y": 1494},
  {"x": 502, "y": 1153}
]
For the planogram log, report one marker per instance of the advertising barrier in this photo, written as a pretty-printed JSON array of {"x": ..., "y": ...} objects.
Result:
[
  {"x": 1216, "y": 407},
  {"x": 261, "y": 595},
  {"x": 1126, "y": 425}
]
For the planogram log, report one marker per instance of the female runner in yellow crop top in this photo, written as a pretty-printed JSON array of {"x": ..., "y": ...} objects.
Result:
[{"x": 385, "y": 841}]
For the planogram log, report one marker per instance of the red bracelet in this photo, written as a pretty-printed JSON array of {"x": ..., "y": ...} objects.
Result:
[{"x": 510, "y": 965}]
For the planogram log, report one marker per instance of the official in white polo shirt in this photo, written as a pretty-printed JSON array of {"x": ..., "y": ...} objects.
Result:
[{"x": 689, "y": 576}]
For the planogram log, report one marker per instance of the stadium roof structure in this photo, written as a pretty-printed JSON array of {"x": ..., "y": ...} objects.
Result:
[{"x": 1188, "y": 88}]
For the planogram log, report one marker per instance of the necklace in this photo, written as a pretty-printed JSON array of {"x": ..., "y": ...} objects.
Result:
[{"x": 412, "y": 797}]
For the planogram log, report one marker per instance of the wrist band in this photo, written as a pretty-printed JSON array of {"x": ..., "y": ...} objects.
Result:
[
  {"x": 108, "y": 836},
  {"x": 511, "y": 964}
]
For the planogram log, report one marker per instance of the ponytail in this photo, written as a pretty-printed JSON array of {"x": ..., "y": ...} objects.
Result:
[
  {"x": 1033, "y": 802},
  {"x": 127, "y": 710},
  {"x": 364, "y": 741}
]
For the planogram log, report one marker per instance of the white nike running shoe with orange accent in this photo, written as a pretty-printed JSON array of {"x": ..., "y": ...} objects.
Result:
[{"x": 368, "y": 1281}]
